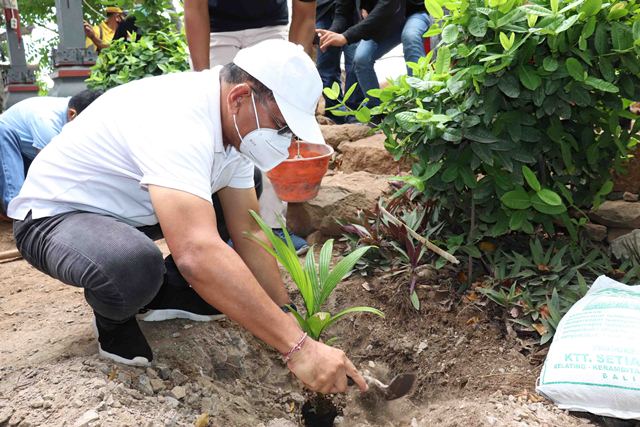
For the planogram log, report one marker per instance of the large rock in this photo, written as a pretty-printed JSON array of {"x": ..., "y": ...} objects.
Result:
[
  {"x": 627, "y": 246},
  {"x": 629, "y": 180},
  {"x": 368, "y": 155},
  {"x": 340, "y": 197},
  {"x": 618, "y": 214},
  {"x": 335, "y": 134}
]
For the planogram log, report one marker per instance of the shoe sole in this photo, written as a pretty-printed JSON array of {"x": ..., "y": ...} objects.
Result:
[
  {"x": 169, "y": 314},
  {"x": 136, "y": 361}
]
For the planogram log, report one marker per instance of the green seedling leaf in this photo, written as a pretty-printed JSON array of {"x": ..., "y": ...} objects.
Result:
[
  {"x": 531, "y": 178},
  {"x": 516, "y": 199},
  {"x": 550, "y": 197},
  {"x": 554, "y": 5},
  {"x": 363, "y": 115},
  {"x": 330, "y": 93},
  {"x": 450, "y": 33},
  {"x": 505, "y": 41}
]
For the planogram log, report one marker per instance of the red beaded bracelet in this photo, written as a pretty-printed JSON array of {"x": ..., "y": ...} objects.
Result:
[{"x": 287, "y": 356}]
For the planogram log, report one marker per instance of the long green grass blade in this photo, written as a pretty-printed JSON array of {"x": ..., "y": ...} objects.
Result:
[
  {"x": 341, "y": 269},
  {"x": 324, "y": 262},
  {"x": 359, "y": 309},
  {"x": 312, "y": 272},
  {"x": 286, "y": 255}
]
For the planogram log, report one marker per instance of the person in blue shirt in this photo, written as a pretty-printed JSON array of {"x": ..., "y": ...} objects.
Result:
[{"x": 26, "y": 128}]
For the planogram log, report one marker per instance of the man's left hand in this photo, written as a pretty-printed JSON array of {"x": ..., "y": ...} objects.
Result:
[{"x": 329, "y": 39}]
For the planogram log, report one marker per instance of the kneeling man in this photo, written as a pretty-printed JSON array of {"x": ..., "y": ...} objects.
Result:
[
  {"x": 26, "y": 128},
  {"x": 92, "y": 204}
]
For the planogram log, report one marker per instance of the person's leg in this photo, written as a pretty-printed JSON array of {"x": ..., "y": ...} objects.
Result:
[
  {"x": 119, "y": 268},
  {"x": 328, "y": 64},
  {"x": 223, "y": 47},
  {"x": 12, "y": 170},
  {"x": 366, "y": 55},
  {"x": 357, "y": 96},
  {"x": 412, "y": 41}
]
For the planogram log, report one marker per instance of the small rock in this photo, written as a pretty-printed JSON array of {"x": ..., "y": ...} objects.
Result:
[
  {"x": 422, "y": 346},
  {"x": 171, "y": 401},
  {"x": 371, "y": 364},
  {"x": 152, "y": 373},
  {"x": 492, "y": 421},
  {"x": 618, "y": 214},
  {"x": 157, "y": 385},
  {"x": 208, "y": 406},
  {"x": 78, "y": 403},
  {"x": 627, "y": 246},
  {"x": 164, "y": 371},
  {"x": 595, "y": 232},
  {"x": 338, "y": 421},
  {"x": 178, "y": 392},
  {"x": 315, "y": 238},
  {"x": 86, "y": 418},
  {"x": 189, "y": 326},
  {"x": 178, "y": 377},
  {"x": 175, "y": 334},
  {"x": 5, "y": 415},
  {"x": 144, "y": 385},
  {"x": 630, "y": 197},
  {"x": 281, "y": 422},
  {"x": 46, "y": 405},
  {"x": 38, "y": 402}
]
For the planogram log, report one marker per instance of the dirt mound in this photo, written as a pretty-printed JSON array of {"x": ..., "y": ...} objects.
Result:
[{"x": 469, "y": 374}]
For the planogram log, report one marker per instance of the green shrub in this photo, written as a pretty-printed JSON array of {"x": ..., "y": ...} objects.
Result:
[
  {"x": 151, "y": 55},
  {"x": 161, "y": 49},
  {"x": 517, "y": 122}
]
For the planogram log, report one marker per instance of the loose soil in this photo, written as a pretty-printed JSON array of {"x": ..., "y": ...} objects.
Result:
[{"x": 469, "y": 372}]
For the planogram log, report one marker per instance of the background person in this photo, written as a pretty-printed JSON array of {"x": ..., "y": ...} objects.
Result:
[
  {"x": 328, "y": 63},
  {"x": 26, "y": 128},
  {"x": 217, "y": 29},
  {"x": 113, "y": 180},
  {"x": 418, "y": 22},
  {"x": 377, "y": 33},
  {"x": 100, "y": 36}
]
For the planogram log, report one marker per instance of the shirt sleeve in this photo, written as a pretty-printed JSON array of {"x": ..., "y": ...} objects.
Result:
[{"x": 243, "y": 175}]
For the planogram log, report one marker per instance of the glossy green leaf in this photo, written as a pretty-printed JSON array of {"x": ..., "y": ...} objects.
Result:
[
  {"x": 550, "y": 64},
  {"x": 545, "y": 208},
  {"x": 575, "y": 69},
  {"x": 591, "y": 7},
  {"x": 450, "y": 34},
  {"x": 516, "y": 199},
  {"x": 529, "y": 77},
  {"x": 550, "y": 197},
  {"x": 602, "y": 85},
  {"x": 531, "y": 178},
  {"x": 478, "y": 26},
  {"x": 434, "y": 8}
]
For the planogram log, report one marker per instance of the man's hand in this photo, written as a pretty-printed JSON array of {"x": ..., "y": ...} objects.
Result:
[
  {"x": 329, "y": 39},
  {"x": 323, "y": 368},
  {"x": 88, "y": 30}
]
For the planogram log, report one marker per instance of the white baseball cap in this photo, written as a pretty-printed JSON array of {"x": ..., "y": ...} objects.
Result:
[{"x": 291, "y": 75}]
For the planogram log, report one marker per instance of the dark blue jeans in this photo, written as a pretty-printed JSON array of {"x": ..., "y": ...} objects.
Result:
[
  {"x": 119, "y": 267},
  {"x": 367, "y": 53},
  {"x": 15, "y": 157},
  {"x": 328, "y": 64}
]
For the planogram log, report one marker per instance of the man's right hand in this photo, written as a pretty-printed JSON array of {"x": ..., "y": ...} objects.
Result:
[
  {"x": 323, "y": 368},
  {"x": 88, "y": 30}
]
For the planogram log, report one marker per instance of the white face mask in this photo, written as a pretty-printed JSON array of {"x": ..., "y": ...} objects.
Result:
[{"x": 264, "y": 146}]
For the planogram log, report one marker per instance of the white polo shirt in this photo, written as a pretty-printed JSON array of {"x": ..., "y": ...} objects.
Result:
[{"x": 163, "y": 131}]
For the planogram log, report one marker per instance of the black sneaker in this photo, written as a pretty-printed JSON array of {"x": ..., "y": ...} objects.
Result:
[
  {"x": 122, "y": 342},
  {"x": 177, "y": 300}
]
